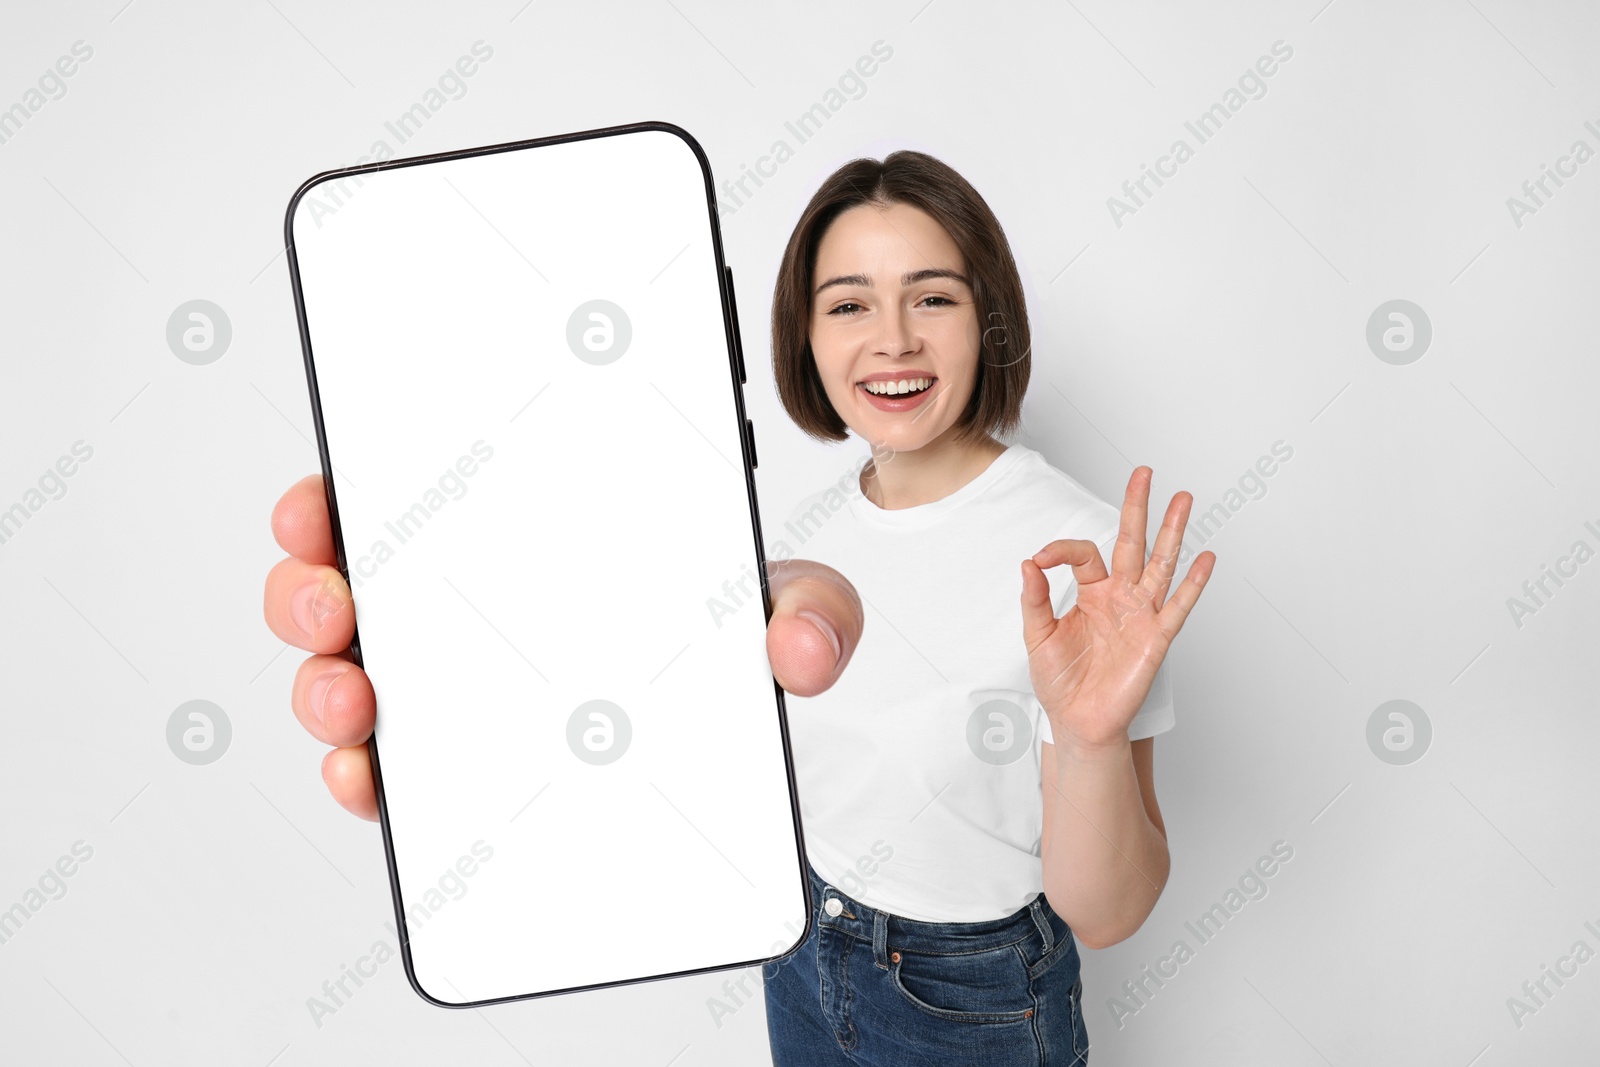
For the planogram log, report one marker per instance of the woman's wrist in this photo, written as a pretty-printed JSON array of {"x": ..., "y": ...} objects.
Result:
[{"x": 1071, "y": 746}]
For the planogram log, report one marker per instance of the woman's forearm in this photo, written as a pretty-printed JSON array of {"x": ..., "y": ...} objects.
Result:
[{"x": 1105, "y": 862}]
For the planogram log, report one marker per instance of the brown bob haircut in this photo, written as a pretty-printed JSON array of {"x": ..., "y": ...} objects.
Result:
[{"x": 920, "y": 180}]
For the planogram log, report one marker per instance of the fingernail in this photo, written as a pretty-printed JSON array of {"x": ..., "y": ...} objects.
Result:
[
  {"x": 827, "y": 631},
  {"x": 312, "y": 603},
  {"x": 317, "y": 695}
]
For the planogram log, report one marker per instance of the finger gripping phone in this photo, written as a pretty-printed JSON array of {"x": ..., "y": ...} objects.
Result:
[{"x": 524, "y": 371}]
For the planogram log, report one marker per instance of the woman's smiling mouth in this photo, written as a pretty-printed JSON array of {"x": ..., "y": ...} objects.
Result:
[{"x": 901, "y": 392}]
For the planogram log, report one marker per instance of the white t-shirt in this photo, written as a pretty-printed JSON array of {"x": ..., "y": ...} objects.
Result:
[{"x": 918, "y": 771}]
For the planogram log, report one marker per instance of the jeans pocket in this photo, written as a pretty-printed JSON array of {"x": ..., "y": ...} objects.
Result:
[
  {"x": 1065, "y": 947},
  {"x": 1063, "y": 950},
  {"x": 991, "y": 986}
]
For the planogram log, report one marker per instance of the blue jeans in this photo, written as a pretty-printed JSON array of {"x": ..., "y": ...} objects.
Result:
[{"x": 871, "y": 989}]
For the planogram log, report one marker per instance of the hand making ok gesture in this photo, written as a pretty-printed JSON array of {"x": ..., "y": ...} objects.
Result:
[{"x": 1093, "y": 667}]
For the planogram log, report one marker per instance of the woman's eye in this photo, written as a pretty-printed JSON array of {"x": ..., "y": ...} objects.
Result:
[{"x": 850, "y": 308}]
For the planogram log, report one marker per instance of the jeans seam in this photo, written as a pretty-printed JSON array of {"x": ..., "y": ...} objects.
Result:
[
  {"x": 846, "y": 994},
  {"x": 1075, "y": 1001},
  {"x": 822, "y": 978},
  {"x": 867, "y": 938},
  {"x": 1037, "y": 1020}
]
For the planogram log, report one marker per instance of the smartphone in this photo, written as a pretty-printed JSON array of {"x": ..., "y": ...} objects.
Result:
[{"x": 525, "y": 373}]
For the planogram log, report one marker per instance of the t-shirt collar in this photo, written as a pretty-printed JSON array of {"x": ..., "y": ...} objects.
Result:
[{"x": 924, "y": 515}]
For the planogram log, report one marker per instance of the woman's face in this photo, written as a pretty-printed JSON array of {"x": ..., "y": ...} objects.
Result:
[{"x": 890, "y": 303}]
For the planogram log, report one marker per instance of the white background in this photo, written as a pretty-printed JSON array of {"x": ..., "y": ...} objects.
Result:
[{"x": 1228, "y": 313}]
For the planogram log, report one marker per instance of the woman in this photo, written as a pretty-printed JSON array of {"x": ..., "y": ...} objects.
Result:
[
  {"x": 959, "y": 787},
  {"x": 948, "y": 814}
]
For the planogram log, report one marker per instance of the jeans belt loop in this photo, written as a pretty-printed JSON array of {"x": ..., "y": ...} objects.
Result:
[
  {"x": 1043, "y": 924},
  {"x": 880, "y": 938}
]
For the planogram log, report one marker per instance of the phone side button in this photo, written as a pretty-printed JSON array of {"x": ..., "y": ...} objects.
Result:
[{"x": 750, "y": 432}]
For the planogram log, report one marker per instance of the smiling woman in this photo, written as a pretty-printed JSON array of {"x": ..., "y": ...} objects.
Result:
[
  {"x": 1002, "y": 753},
  {"x": 958, "y": 275}
]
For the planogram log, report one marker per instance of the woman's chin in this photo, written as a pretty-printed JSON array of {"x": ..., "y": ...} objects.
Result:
[{"x": 886, "y": 440}]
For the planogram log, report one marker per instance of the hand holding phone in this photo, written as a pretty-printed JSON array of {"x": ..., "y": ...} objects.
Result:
[{"x": 341, "y": 715}]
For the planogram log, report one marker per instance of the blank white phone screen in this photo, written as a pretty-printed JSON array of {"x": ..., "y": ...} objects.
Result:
[{"x": 527, "y": 403}]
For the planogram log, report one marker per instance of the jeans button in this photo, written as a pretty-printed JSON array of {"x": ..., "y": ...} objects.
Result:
[{"x": 832, "y": 906}]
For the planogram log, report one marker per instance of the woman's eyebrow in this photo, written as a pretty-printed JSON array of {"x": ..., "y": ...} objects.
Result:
[{"x": 907, "y": 279}]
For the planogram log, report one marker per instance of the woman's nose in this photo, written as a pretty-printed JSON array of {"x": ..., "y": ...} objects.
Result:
[{"x": 894, "y": 335}]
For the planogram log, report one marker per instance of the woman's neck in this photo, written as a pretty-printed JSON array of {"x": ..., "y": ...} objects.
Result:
[{"x": 932, "y": 472}]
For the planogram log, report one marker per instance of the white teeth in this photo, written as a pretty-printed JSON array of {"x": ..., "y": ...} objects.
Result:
[{"x": 905, "y": 385}]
